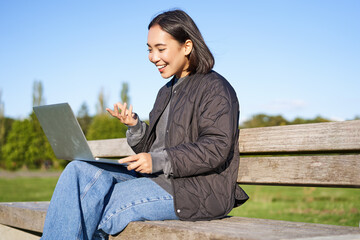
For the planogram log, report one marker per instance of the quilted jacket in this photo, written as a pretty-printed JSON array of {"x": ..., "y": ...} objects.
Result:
[{"x": 202, "y": 144}]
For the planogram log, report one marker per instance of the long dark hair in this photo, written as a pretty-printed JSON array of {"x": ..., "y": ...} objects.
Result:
[{"x": 181, "y": 27}]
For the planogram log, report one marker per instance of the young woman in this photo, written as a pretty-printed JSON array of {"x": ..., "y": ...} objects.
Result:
[{"x": 187, "y": 157}]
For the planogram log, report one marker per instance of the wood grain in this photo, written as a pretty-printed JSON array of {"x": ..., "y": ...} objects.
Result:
[
  {"x": 319, "y": 169},
  {"x": 322, "y": 170},
  {"x": 31, "y": 216},
  {"x": 317, "y": 137}
]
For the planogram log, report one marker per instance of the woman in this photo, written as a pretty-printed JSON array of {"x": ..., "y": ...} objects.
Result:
[{"x": 187, "y": 157}]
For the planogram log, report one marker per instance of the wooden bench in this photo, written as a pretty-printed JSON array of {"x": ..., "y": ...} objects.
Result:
[{"x": 321, "y": 154}]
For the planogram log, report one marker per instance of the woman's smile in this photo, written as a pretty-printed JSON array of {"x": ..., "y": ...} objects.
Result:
[
  {"x": 169, "y": 56},
  {"x": 161, "y": 68}
]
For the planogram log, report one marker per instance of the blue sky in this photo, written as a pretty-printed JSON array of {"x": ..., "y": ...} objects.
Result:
[{"x": 294, "y": 58}]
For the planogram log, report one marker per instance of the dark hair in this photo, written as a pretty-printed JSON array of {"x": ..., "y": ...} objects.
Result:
[{"x": 181, "y": 27}]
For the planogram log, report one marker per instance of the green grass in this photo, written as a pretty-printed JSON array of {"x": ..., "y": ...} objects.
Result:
[
  {"x": 26, "y": 189},
  {"x": 336, "y": 206}
]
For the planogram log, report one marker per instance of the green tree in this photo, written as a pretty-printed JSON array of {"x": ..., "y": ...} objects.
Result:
[
  {"x": 84, "y": 118},
  {"x": 317, "y": 119},
  {"x": 39, "y": 152},
  {"x": 26, "y": 144},
  {"x": 102, "y": 102},
  {"x": 124, "y": 93},
  {"x": 5, "y": 126},
  {"x": 2, "y": 125},
  {"x": 263, "y": 120},
  {"x": 7, "y": 123},
  {"x": 17, "y": 143},
  {"x": 38, "y": 90},
  {"x": 106, "y": 127}
]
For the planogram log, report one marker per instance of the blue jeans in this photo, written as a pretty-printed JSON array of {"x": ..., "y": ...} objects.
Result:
[{"x": 92, "y": 200}]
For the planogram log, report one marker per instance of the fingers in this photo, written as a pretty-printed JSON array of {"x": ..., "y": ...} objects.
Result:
[
  {"x": 114, "y": 113},
  {"x": 123, "y": 111},
  {"x": 118, "y": 106},
  {"x": 125, "y": 115},
  {"x": 129, "y": 159},
  {"x": 134, "y": 163},
  {"x": 110, "y": 111},
  {"x": 140, "y": 162},
  {"x": 116, "y": 109},
  {"x": 130, "y": 111}
]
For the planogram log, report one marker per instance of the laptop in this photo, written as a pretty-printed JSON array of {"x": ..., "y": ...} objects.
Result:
[{"x": 64, "y": 133}]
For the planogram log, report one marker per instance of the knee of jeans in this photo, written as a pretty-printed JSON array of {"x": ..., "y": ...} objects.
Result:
[{"x": 75, "y": 166}]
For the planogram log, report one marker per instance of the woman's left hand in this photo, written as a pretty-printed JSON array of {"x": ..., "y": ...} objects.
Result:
[{"x": 141, "y": 162}]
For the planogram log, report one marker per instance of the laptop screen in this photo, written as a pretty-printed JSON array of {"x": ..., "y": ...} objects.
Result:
[{"x": 63, "y": 132}]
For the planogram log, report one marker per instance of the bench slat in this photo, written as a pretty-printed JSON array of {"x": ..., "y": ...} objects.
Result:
[
  {"x": 319, "y": 137},
  {"x": 234, "y": 228},
  {"x": 316, "y": 170},
  {"x": 31, "y": 216},
  {"x": 316, "y": 137},
  {"x": 25, "y": 215}
]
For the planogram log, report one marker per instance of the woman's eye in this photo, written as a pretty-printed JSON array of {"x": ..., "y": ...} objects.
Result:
[
  {"x": 149, "y": 50},
  {"x": 162, "y": 49}
]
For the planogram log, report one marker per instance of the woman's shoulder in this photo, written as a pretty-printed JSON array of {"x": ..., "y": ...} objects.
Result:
[
  {"x": 214, "y": 82},
  {"x": 210, "y": 78}
]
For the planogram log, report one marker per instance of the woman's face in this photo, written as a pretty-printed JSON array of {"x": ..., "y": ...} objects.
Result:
[{"x": 169, "y": 56}]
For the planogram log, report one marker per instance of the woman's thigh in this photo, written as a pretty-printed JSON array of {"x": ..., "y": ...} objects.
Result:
[
  {"x": 118, "y": 172},
  {"x": 136, "y": 200}
]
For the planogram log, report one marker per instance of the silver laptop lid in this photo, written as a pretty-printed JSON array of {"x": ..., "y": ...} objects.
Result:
[{"x": 63, "y": 132}]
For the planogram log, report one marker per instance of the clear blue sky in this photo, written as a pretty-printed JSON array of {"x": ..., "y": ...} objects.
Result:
[{"x": 294, "y": 58}]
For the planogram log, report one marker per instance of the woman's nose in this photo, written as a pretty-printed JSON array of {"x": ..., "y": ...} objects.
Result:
[{"x": 153, "y": 57}]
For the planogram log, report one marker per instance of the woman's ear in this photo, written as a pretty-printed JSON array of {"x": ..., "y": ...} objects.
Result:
[{"x": 188, "y": 46}]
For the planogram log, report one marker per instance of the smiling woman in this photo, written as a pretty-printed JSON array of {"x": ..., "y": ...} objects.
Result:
[
  {"x": 169, "y": 56},
  {"x": 182, "y": 28},
  {"x": 187, "y": 157}
]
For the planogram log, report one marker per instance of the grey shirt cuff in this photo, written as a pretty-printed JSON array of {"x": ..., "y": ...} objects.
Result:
[
  {"x": 135, "y": 133},
  {"x": 161, "y": 163}
]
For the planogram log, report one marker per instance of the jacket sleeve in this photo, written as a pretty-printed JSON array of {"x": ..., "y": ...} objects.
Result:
[
  {"x": 217, "y": 127},
  {"x": 136, "y": 136}
]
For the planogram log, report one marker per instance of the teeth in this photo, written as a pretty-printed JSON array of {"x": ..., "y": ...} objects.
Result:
[{"x": 159, "y": 67}]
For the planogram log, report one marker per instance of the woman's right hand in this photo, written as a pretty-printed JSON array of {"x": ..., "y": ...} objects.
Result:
[{"x": 125, "y": 115}]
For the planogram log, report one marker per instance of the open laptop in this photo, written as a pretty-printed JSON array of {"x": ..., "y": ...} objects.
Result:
[{"x": 65, "y": 134}]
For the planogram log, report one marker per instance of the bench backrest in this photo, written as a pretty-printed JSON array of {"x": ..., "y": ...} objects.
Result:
[{"x": 319, "y": 154}]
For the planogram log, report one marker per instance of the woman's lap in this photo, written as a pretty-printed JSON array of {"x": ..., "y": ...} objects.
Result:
[
  {"x": 147, "y": 201},
  {"x": 103, "y": 197}
]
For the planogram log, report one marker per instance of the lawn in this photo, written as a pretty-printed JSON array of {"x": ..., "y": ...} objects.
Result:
[
  {"x": 22, "y": 189},
  {"x": 336, "y": 206}
]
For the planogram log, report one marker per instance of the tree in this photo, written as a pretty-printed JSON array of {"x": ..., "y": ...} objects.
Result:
[
  {"x": 38, "y": 98},
  {"x": 2, "y": 126},
  {"x": 106, "y": 127},
  {"x": 2, "y": 122},
  {"x": 84, "y": 118},
  {"x": 7, "y": 123},
  {"x": 124, "y": 93},
  {"x": 101, "y": 105},
  {"x": 263, "y": 120},
  {"x": 317, "y": 119},
  {"x": 26, "y": 144},
  {"x": 39, "y": 152},
  {"x": 17, "y": 143}
]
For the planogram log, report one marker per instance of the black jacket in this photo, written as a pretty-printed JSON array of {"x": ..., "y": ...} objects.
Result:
[{"x": 202, "y": 143}]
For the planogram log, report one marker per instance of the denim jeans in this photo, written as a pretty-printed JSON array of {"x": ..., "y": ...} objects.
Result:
[{"x": 92, "y": 200}]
